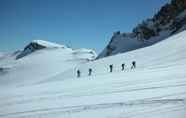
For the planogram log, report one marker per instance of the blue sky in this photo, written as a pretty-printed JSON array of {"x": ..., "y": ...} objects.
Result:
[{"x": 76, "y": 23}]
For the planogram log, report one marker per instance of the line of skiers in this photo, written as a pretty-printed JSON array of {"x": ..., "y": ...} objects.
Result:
[{"x": 110, "y": 67}]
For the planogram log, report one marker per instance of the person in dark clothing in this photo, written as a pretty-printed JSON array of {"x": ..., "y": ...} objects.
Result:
[
  {"x": 111, "y": 67},
  {"x": 133, "y": 65},
  {"x": 122, "y": 67},
  {"x": 89, "y": 72},
  {"x": 78, "y": 73}
]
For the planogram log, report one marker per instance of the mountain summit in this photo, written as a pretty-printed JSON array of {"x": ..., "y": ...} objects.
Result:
[
  {"x": 170, "y": 20},
  {"x": 37, "y": 45}
]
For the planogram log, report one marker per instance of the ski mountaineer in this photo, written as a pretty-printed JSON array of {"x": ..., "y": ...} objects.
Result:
[
  {"x": 122, "y": 67},
  {"x": 133, "y": 65},
  {"x": 111, "y": 67},
  {"x": 89, "y": 72},
  {"x": 78, "y": 73}
]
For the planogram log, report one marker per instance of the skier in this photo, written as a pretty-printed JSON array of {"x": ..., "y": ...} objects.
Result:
[
  {"x": 133, "y": 65},
  {"x": 89, "y": 72},
  {"x": 78, "y": 73},
  {"x": 122, "y": 66},
  {"x": 111, "y": 67}
]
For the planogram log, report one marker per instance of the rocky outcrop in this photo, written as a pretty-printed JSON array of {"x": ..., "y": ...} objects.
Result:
[
  {"x": 37, "y": 45},
  {"x": 170, "y": 19}
]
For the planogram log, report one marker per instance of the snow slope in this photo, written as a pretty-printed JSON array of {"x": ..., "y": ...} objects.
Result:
[
  {"x": 155, "y": 89},
  {"x": 41, "y": 63}
]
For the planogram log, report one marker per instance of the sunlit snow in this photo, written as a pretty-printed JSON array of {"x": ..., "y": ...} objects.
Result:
[{"x": 45, "y": 84}]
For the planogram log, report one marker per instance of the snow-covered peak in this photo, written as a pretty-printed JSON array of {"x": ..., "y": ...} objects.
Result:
[
  {"x": 47, "y": 44},
  {"x": 84, "y": 50},
  {"x": 38, "y": 45},
  {"x": 40, "y": 60},
  {"x": 85, "y": 53}
]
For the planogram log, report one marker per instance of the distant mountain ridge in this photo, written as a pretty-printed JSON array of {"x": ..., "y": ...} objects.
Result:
[
  {"x": 36, "y": 45},
  {"x": 40, "y": 60},
  {"x": 170, "y": 20}
]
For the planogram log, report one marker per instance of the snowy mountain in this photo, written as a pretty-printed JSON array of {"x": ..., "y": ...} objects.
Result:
[
  {"x": 41, "y": 80},
  {"x": 170, "y": 20},
  {"x": 155, "y": 89},
  {"x": 37, "y": 45},
  {"x": 40, "y": 60}
]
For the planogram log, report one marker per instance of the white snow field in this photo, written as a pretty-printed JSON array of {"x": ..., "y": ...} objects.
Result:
[
  {"x": 155, "y": 89},
  {"x": 41, "y": 64}
]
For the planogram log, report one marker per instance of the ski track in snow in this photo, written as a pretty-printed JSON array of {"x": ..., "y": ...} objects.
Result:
[{"x": 72, "y": 109}]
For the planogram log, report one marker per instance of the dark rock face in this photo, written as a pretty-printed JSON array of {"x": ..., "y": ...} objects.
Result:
[
  {"x": 170, "y": 19},
  {"x": 34, "y": 47},
  {"x": 168, "y": 12},
  {"x": 29, "y": 49},
  {"x": 166, "y": 19}
]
